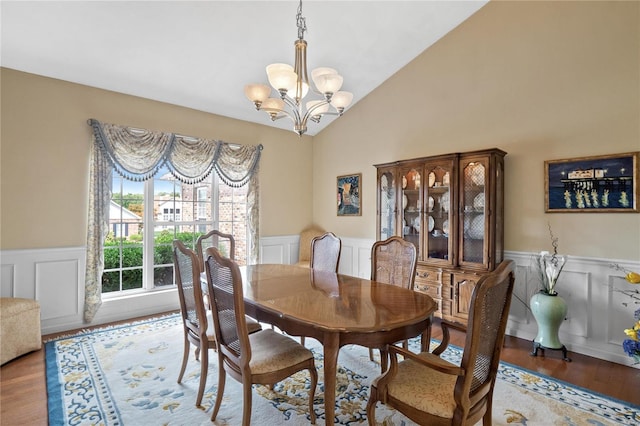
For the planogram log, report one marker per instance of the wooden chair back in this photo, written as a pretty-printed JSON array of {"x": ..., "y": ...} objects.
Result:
[
  {"x": 227, "y": 303},
  {"x": 223, "y": 242},
  {"x": 394, "y": 261},
  {"x": 488, "y": 315},
  {"x": 192, "y": 307},
  {"x": 325, "y": 252}
]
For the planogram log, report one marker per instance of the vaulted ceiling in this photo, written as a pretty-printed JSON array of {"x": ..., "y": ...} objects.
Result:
[{"x": 200, "y": 54}]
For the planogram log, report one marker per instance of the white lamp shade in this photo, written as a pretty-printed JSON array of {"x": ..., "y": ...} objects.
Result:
[
  {"x": 278, "y": 67},
  {"x": 322, "y": 70},
  {"x": 272, "y": 105},
  {"x": 341, "y": 99},
  {"x": 281, "y": 76},
  {"x": 291, "y": 90},
  {"x": 320, "y": 109},
  {"x": 257, "y": 92},
  {"x": 328, "y": 83}
]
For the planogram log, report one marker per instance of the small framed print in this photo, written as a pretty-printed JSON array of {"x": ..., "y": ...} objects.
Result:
[
  {"x": 605, "y": 184},
  {"x": 348, "y": 195}
]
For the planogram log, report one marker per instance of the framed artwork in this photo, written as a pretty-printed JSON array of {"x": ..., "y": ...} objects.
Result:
[
  {"x": 348, "y": 195},
  {"x": 605, "y": 184}
]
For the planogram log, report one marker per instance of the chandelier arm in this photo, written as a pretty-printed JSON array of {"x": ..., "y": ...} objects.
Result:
[
  {"x": 295, "y": 111},
  {"x": 316, "y": 117},
  {"x": 285, "y": 114},
  {"x": 317, "y": 106},
  {"x": 295, "y": 119}
]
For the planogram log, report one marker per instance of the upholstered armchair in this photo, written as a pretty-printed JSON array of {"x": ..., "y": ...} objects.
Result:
[{"x": 304, "y": 253}]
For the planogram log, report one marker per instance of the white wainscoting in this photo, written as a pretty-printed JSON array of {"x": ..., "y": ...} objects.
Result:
[
  {"x": 55, "y": 277},
  {"x": 594, "y": 325},
  {"x": 597, "y": 313}
]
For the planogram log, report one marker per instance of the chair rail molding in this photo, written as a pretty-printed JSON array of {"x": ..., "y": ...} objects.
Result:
[{"x": 594, "y": 325}]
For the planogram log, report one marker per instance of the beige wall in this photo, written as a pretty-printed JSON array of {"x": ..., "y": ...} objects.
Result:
[
  {"x": 540, "y": 80},
  {"x": 45, "y": 142}
]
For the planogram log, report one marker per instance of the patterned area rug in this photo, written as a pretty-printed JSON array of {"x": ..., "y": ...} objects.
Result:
[{"x": 126, "y": 375}]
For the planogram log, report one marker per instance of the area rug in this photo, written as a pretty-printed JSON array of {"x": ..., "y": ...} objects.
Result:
[{"x": 126, "y": 375}]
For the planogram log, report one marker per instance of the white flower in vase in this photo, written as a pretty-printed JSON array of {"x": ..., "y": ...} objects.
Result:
[{"x": 550, "y": 267}]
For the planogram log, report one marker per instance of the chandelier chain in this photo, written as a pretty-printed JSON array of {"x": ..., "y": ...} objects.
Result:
[{"x": 301, "y": 22}]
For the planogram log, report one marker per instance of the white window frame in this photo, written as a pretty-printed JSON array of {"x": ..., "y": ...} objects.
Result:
[{"x": 151, "y": 222}]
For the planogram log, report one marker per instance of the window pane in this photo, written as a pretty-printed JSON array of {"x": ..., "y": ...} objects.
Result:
[
  {"x": 131, "y": 279},
  {"x": 110, "y": 281},
  {"x": 232, "y": 217},
  {"x": 123, "y": 243},
  {"x": 163, "y": 276},
  {"x": 163, "y": 246}
]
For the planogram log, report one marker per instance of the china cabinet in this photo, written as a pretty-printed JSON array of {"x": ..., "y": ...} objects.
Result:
[{"x": 452, "y": 208}]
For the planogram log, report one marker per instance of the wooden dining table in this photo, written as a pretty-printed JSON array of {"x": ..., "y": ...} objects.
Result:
[{"x": 336, "y": 310}]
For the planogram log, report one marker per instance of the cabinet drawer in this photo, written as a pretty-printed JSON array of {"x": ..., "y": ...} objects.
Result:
[
  {"x": 424, "y": 274},
  {"x": 428, "y": 287},
  {"x": 432, "y": 275}
]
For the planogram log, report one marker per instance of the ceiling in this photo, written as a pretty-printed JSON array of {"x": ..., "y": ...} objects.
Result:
[{"x": 200, "y": 54}]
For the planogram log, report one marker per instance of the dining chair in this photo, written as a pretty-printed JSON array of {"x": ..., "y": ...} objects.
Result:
[
  {"x": 198, "y": 326},
  {"x": 224, "y": 242},
  {"x": 325, "y": 252},
  {"x": 431, "y": 391},
  {"x": 325, "y": 255},
  {"x": 393, "y": 261},
  {"x": 264, "y": 357}
]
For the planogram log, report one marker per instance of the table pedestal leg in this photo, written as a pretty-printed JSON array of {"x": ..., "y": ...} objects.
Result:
[{"x": 331, "y": 348}]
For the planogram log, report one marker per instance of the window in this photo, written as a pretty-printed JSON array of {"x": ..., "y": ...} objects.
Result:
[
  {"x": 203, "y": 194},
  {"x": 135, "y": 259}
]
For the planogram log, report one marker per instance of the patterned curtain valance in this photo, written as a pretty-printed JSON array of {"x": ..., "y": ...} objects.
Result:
[{"x": 138, "y": 154}]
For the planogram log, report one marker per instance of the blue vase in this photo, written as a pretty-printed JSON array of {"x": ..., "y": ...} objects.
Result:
[{"x": 549, "y": 312}]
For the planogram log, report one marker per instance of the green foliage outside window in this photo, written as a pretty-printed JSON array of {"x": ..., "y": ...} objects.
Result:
[{"x": 132, "y": 250}]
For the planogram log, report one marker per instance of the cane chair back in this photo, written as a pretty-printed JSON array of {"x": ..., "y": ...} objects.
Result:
[
  {"x": 223, "y": 242},
  {"x": 325, "y": 252},
  {"x": 430, "y": 390},
  {"x": 264, "y": 357},
  {"x": 198, "y": 327},
  {"x": 393, "y": 261}
]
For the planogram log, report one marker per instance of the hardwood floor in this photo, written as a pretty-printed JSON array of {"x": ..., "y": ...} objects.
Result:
[{"x": 23, "y": 392}]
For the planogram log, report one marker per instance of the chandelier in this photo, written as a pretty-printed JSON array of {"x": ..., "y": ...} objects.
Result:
[{"x": 292, "y": 85}]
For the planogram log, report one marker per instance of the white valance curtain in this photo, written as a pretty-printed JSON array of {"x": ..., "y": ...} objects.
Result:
[{"x": 138, "y": 154}]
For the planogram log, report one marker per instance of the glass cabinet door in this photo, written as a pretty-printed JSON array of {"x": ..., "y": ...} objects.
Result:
[
  {"x": 387, "y": 202},
  {"x": 474, "y": 215},
  {"x": 439, "y": 211},
  {"x": 412, "y": 206}
]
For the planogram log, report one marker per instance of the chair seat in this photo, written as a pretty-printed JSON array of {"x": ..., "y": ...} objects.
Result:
[
  {"x": 415, "y": 380},
  {"x": 271, "y": 351}
]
